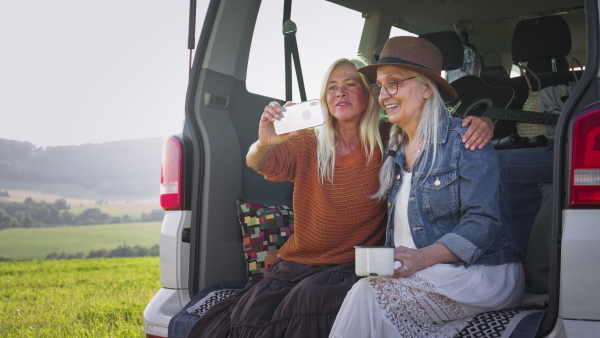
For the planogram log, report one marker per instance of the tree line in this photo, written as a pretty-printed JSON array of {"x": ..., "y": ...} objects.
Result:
[
  {"x": 32, "y": 214},
  {"x": 121, "y": 251}
]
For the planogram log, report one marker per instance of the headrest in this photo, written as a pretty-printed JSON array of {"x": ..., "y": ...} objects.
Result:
[
  {"x": 545, "y": 66},
  {"x": 449, "y": 43},
  {"x": 493, "y": 74},
  {"x": 538, "y": 40}
]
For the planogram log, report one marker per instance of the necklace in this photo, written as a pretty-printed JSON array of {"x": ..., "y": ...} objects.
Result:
[{"x": 411, "y": 152}]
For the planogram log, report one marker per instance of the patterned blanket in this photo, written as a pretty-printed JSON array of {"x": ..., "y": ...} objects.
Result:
[
  {"x": 519, "y": 322},
  {"x": 514, "y": 323}
]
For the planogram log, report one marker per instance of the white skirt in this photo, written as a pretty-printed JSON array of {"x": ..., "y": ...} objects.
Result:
[{"x": 435, "y": 302}]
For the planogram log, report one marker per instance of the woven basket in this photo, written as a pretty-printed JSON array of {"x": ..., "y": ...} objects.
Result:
[
  {"x": 529, "y": 130},
  {"x": 531, "y": 104}
]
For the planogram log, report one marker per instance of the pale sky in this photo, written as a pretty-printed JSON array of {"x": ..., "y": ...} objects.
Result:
[{"x": 79, "y": 71}]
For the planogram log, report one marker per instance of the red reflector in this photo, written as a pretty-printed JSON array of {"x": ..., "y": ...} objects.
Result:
[
  {"x": 585, "y": 171},
  {"x": 169, "y": 200},
  {"x": 171, "y": 175},
  {"x": 586, "y": 194}
]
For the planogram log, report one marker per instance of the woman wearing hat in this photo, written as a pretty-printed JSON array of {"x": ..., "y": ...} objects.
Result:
[{"x": 455, "y": 245}]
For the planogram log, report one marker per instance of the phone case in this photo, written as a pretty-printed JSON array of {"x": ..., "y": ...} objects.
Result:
[{"x": 299, "y": 116}]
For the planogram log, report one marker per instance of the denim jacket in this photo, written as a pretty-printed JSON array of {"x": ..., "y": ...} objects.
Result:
[{"x": 460, "y": 204}]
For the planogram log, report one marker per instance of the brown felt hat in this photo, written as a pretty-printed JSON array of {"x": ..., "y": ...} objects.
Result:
[{"x": 416, "y": 54}]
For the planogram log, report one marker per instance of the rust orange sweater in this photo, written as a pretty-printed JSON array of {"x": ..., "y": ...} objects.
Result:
[{"x": 330, "y": 218}]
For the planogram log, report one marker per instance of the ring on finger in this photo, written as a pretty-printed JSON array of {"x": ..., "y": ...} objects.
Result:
[{"x": 405, "y": 269}]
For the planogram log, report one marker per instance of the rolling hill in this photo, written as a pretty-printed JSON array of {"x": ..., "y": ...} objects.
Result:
[{"x": 125, "y": 170}]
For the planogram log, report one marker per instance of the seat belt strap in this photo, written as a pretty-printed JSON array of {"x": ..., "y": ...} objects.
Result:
[{"x": 291, "y": 51}]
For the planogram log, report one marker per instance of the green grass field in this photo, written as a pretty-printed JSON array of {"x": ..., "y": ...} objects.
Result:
[
  {"x": 36, "y": 243},
  {"x": 132, "y": 209},
  {"x": 49, "y": 193},
  {"x": 76, "y": 298}
]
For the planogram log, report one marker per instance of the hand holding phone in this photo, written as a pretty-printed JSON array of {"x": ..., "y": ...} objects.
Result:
[{"x": 299, "y": 116}]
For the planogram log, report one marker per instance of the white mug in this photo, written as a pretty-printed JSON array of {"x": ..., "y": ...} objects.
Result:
[{"x": 374, "y": 260}]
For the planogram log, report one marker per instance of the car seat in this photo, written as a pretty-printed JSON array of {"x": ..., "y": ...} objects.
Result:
[{"x": 543, "y": 43}]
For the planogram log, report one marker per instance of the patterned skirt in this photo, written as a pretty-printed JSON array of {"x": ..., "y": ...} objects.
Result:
[
  {"x": 293, "y": 300},
  {"x": 436, "y": 302}
]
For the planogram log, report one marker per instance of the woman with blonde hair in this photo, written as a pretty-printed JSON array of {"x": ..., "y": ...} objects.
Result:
[{"x": 334, "y": 169}]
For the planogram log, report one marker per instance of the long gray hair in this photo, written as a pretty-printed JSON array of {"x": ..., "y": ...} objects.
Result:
[
  {"x": 434, "y": 111},
  {"x": 327, "y": 137}
]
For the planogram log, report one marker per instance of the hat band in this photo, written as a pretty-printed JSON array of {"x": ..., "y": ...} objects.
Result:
[{"x": 391, "y": 59}]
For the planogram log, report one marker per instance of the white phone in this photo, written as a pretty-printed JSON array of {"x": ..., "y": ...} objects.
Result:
[{"x": 299, "y": 116}]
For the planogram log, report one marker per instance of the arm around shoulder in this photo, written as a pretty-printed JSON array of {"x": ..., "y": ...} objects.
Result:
[{"x": 480, "y": 132}]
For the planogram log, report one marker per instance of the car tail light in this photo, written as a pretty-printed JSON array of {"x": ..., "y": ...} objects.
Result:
[
  {"x": 171, "y": 176},
  {"x": 153, "y": 336},
  {"x": 585, "y": 184}
]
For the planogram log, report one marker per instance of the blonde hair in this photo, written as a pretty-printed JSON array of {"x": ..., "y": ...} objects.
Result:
[
  {"x": 434, "y": 111},
  {"x": 327, "y": 137}
]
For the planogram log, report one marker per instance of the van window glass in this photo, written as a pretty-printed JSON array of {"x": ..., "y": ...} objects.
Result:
[
  {"x": 325, "y": 32},
  {"x": 201, "y": 9},
  {"x": 400, "y": 32},
  {"x": 514, "y": 71}
]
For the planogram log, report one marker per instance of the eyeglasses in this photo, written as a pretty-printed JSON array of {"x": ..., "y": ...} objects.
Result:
[{"x": 391, "y": 87}]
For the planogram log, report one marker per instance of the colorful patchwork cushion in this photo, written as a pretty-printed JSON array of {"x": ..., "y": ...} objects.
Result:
[{"x": 265, "y": 228}]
